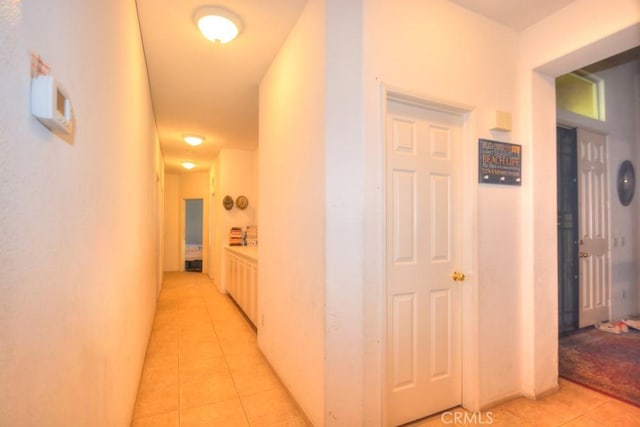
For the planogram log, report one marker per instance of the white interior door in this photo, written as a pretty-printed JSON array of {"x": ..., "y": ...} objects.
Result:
[
  {"x": 593, "y": 228},
  {"x": 423, "y": 214}
]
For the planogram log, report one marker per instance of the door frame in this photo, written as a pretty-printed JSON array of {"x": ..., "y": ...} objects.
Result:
[
  {"x": 183, "y": 232},
  {"x": 469, "y": 202}
]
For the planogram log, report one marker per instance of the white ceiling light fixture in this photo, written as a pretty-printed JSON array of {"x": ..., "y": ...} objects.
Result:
[
  {"x": 193, "y": 139},
  {"x": 218, "y": 24},
  {"x": 188, "y": 165}
]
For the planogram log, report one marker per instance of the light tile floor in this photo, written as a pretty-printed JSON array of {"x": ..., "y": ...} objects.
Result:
[
  {"x": 571, "y": 406},
  {"x": 203, "y": 366}
]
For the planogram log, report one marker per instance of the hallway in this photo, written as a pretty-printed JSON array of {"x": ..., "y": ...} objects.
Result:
[{"x": 203, "y": 367}]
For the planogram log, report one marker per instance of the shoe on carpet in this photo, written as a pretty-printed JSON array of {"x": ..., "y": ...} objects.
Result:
[
  {"x": 633, "y": 323},
  {"x": 612, "y": 327}
]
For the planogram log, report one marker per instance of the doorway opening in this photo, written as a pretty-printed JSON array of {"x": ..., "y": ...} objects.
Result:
[
  {"x": 193, "y": 218},
  {"x": 597, "y": 232}
]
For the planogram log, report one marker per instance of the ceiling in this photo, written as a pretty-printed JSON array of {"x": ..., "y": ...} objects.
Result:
[
  {"x": 517, "y": 14},
  {"x": 208, "y": 89}
]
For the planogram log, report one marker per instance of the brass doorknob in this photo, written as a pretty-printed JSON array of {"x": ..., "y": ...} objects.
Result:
[
  {"x": 458, "y": 277},
  {"x": 583, "y": 255}
]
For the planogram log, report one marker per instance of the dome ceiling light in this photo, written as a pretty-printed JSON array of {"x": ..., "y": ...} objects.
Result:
[
  {"x": 193, "y": 139},
  {"x": 188, "y": 165},
  {"x": 217, "y": 24}
]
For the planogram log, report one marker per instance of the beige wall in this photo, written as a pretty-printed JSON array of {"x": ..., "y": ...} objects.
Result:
[
  {"x": 159, "y": 208},
  {"x": 344, "y": 211},
  {"x": 413, "y": 47},
  {"x": 78, "y": 224},
  {"x": 291, "y": 216},
  {"x": 234, "y": 173},
  {"x": 215, "y": 239},
  {"x": 172, "y": 247}
]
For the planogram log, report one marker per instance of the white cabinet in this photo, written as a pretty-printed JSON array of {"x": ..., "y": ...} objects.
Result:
[{"x": 241, "y": 279}]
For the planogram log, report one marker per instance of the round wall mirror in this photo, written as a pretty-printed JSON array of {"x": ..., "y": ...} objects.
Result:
[{"x": 626, "y": 182}]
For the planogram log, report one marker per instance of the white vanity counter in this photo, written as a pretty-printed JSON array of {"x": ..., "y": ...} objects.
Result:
[
  {"x": 248, "y": 252},
  {"x": 241, "y": 278}
]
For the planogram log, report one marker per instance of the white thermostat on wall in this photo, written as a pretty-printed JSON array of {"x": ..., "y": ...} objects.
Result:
[{"x": 51, "y": 105}]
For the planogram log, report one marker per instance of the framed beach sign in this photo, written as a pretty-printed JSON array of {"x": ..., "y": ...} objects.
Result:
[{"x": 499, "y": 162}]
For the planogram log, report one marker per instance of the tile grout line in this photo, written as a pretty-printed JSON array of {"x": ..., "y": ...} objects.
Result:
[
  {"x": 178, "y": 346},
  {"x": 153, "y": 333},
  {"x": 581, "y": 414},
  {"x": 224, "y": 357},
  {"x": 584, "y": 414}
]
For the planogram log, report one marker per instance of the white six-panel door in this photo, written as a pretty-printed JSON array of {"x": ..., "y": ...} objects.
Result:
[
  {"x": 593, "y": 228},
  {"x": 423, "y": 149}
]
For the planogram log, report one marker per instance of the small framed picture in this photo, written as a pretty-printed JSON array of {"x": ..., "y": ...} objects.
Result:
[{"x": 499, "y": 162}]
